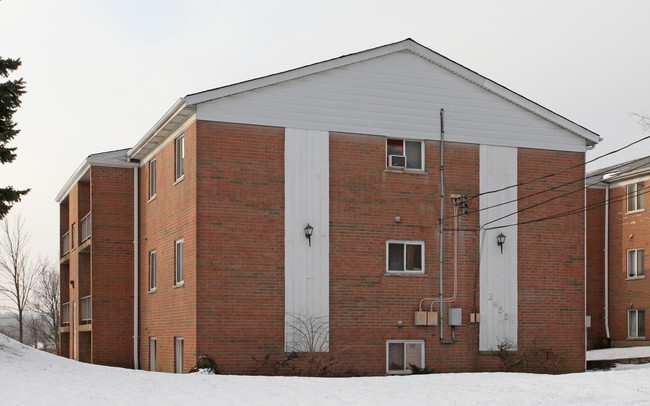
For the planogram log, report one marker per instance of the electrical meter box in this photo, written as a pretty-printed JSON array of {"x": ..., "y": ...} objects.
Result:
[{"x": 455, "y": 316}]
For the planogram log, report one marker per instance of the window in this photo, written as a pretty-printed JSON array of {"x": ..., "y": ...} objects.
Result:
[
  {"x": 404, "y": 154},
  {"x": 635, "y": 196},
  {"x": 152, "y": 271},
  {"x": 152, "y": 178},
  {"x": 152, "y": 353},
  {"x": 179, "y": 262},
  {"x": 405, "y": 256},
  {"x": 73, "y": 236},
  {"x": 180, "y": 157},
  {"x": 635, "y": 263},
  {"x": 400, "y": 354},
  {"x": 178, "y": 359},
  {"x": 635, "y": 323}
]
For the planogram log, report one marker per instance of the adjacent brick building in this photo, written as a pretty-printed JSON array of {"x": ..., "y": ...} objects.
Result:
[
  {"x": 308, "y": 203},
  {"x": 618, "y": 238}
]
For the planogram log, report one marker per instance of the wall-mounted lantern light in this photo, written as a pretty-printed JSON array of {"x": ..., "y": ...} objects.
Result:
[
  {"x": 501, "y": 239},
  {"x": 309, "y": 230},
  {"x": 72, "y": 284}
]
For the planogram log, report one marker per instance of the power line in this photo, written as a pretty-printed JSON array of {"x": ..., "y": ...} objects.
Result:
[
  {"x": 561, "y": 171},
  {"x": 553, "y": 198}
]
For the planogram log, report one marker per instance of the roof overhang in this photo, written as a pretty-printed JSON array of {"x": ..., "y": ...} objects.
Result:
[
  {"x": 174, "y": 117},
  {"x": 82, "y": 173}
]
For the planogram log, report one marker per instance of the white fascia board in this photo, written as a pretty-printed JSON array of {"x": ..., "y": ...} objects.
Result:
[
  {"x": 169, "y": 138},
  {"x": 590, "y": 137},
  {"x": 169, "y": 115},
  {"x": 80, "y": 172}
]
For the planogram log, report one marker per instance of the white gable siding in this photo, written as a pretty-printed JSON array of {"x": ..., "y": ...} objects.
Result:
[
  {"x": 306, "y": 194},
  {"x": 498, "y": 271},
  {"x": 396, "y": 95}
]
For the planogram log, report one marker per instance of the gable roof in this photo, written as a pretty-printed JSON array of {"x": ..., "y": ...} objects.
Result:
[
  {"x": 186, "y": 106},
  {"x": 620, "y": 172}
]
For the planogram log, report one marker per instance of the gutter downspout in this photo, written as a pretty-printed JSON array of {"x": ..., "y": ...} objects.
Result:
[
  {"x": 135, "y": 269},
  {"x": 442, "y": 216},
  {"x": 609, "y": 340},
  {"x": 585, "y": 272}
]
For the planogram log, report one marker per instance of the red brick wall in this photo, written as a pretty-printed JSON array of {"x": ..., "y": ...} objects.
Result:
[
  {"x": 596, "y": 334},
  {"x": 551, "y": 273},
  {"x": 626, "y": 231},
  {"x": 240, "y": 235},
  {"x": 170, "y": 311},
  {"x": 111, "y": 195}
]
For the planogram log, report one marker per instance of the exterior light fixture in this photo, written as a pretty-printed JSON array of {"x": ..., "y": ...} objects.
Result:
[
  {"x": 72, "y": 284},
  {"x": 309, "y": 230},
  {"x": 501, "y": 239}
]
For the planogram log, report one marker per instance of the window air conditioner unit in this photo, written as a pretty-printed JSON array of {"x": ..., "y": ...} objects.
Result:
[{"x": 397, "y": 161}]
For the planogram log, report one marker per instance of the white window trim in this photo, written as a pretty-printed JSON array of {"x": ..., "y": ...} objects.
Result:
[
  {"x": 405, "y": 371},
  {"x": 181, "y": 281},
  {"x": 178, "y": 368},
  {"x": 628, "y": 195},
  {"x": 636, "y": 262},
  {"x": 179, "y": 173},
  {"x": 413, "y": 170},
  {"x": 637, "y": 337},
  {"x": 388, "y": 271},
  {"x": 152, "y": 286},
  {"x": 153, "y": 175}
]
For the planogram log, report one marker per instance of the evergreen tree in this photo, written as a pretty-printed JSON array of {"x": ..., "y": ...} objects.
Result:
[{"x": 10, "y": 92}]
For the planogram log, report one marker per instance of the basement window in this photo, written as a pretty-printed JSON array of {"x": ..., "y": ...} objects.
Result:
[
  {"x": 404, "y": 256},
  {"x": 404, "y": 154},
  {"x": 635, "y": 263},
  {"x": 178, "y": 358},
  {"x": 635, "y": 323},
  {"x": 401, "y": 354},
  {"x": 635, "y": 193}
]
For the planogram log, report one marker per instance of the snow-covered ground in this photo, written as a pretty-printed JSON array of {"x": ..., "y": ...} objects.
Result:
[
  {"x": 30, "y": 377},
  {"x": 618, "y": 353}
]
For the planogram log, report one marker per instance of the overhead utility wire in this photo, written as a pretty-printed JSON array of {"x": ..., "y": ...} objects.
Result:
[
  {"x": 570, "y": 212},
  {"x": 562, "y": 171},
  {"x": 553, "y": 198},
  {"x": 609, "y": 169}
]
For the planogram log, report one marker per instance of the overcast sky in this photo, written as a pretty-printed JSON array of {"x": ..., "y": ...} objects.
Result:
[{"x": 101, "y": 73}]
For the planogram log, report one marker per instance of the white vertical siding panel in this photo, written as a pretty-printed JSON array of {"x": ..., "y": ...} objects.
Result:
[
  {"x": 306, "y": 201},
  {"x": 393, "y": 95},
  {"x": 498, "y": 272}
]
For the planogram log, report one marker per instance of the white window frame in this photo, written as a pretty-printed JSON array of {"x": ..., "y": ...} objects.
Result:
[
  {"x": 152, "y": 353},
  {"x": 152, "y": 178},
  {"x": 404, "y": 141},
  {"x": 179, "y": 157},
  {"x": 179, "y": 259},
  {"x": 178, "y": 355},
  {"x": 152, "y": 271},
  {"x": 406, "y": 369},
  {"x": 632, "y": 268},
  {"x": 405, "y": 271},
  {"x": 634, "y": 201},
  {"x": 633, "y": 331}
]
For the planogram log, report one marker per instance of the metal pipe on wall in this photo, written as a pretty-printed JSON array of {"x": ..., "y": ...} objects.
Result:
[{"x": 442, "y": 216}]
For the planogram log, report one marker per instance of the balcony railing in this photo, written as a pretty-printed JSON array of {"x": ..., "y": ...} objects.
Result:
[
  {"x": 66, "y": 243},
  {"x": 86, "y": 311},
  {"x": 85, "y": 227},
  {"x": 65, "y": 314}
]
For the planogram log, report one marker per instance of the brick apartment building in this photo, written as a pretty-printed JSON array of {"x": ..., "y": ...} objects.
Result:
[
  {"x": 618, "y": 237},
  {"x": 312, "y": 198}
]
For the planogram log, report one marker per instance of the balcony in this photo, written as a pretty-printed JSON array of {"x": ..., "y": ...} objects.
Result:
[
  {"x": 65, "y": 246},
  {"x": 86, "y": 309},
  {"x": 65, "y": 318},
  {"x": 85, "y": 227}
]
